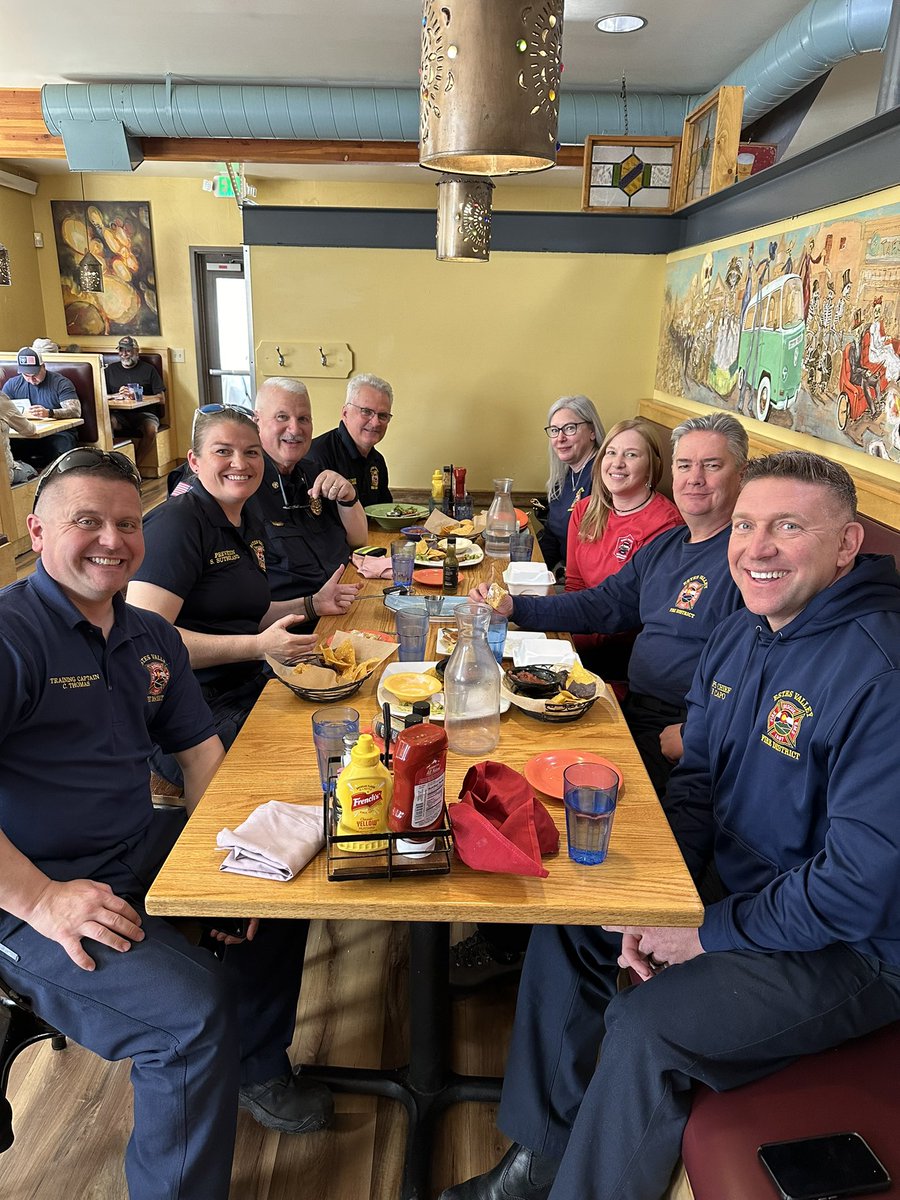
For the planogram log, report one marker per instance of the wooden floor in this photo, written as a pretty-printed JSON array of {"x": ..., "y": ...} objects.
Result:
[{"x": 72, "y": 1111}]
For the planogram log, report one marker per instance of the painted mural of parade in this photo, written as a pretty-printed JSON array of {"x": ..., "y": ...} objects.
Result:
[{"x": 800, "y": 329}]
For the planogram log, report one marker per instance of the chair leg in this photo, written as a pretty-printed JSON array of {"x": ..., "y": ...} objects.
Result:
[{"x": 19, "y": 1028}]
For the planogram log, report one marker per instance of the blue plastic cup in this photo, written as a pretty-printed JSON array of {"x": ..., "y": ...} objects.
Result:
[
  {"x": 330, "y": 725},
  {"x": 403, "y": 562},
  {"x": 590, "y": 791},
  {"x": 496, "y": 635},
  {"x": 412, "y": 633}
]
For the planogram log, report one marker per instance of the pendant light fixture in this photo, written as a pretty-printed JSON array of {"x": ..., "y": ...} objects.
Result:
[
  {"x": 489, "y": 92},
  {"x": 464, "y": 216},
  {"x": 90, "y": 272}
]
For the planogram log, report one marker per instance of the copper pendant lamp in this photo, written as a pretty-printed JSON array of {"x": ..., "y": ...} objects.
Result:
[
  {"x": 489, "y": 93},
  {"x": 464, "y": 216}
]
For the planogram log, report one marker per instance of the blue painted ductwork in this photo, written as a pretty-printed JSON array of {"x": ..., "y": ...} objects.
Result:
[{"x": 823, "y": 34}]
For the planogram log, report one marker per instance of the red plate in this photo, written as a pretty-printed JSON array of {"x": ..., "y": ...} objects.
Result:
[
  {"x": 522, "y": 518},
  {"x": 429, "y": 577},
  {"x": 545, "y": 771}
]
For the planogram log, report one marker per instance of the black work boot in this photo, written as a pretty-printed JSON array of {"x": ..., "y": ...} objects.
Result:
[
  {"x": 289, "y": 1103},
  {"x": 519, "y": 1175}
]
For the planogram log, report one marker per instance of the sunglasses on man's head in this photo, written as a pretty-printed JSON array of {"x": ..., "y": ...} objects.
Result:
[{"x": 88, "y": 458}]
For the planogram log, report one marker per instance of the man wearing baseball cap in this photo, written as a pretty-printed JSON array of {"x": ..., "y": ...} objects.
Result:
[
  {"x": 48, "y": 396},
  {"x": 134, "y": 379}
]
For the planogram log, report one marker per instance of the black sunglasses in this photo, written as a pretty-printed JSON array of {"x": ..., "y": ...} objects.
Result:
[
  {"x": 88, "y": 458},
  {"x": 209, "y": 410}
]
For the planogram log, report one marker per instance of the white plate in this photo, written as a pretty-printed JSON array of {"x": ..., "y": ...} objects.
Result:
[
  {"x": 402, "y": 708},
  {"x": 476, "y": 552}
]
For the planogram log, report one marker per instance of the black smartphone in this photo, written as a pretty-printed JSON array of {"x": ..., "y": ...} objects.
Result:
[
  {"x": 824, "y": 1168},
  {"x": 372, "y": 551}
]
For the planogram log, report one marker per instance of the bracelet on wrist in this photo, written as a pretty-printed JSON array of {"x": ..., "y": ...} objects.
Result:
[
  {"x": 348, "y": 503},
  {"x": 310, "y": 608}
]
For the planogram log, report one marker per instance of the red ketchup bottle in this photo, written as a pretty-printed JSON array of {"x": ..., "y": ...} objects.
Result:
[{"x": 417, "y": 804}]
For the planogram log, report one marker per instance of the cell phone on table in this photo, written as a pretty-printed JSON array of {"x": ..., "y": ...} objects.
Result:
[
  {"x": 372, "y": 551},
  {"x": 824, "y": 1168}
]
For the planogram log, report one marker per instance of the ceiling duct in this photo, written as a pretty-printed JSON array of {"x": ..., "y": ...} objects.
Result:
[{"x": 91, "y": 117}]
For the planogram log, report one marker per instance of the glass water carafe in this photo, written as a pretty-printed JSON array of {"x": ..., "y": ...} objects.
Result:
[
  {"x": 472, "y": 686},
  {"x": 501, "y": 520}
]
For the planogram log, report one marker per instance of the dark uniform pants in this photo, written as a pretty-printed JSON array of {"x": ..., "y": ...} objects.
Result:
[
  {"x": 195, "y": 1029},
  {"x": 40, "y": 452},
  {"x": 723, "y": 1019},
  {"x": 646, "y": 718}
]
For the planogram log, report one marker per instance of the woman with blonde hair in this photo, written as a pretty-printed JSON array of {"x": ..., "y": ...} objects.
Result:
[{"x": 623, "y": 512}]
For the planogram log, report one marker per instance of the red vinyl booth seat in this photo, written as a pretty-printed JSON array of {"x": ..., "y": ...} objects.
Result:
[
  {"x": 851, "y": 1089},
  {"x": 82, "y": 376}
]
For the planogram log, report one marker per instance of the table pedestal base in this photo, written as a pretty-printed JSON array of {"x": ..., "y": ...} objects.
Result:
[{"x": 427, "y": 1085}]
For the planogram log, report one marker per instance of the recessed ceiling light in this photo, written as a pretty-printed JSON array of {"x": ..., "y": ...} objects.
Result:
[{"x": 621, "y": 23}]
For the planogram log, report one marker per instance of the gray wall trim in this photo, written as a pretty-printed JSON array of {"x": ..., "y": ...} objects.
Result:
[{"x": 414, "y": 229}]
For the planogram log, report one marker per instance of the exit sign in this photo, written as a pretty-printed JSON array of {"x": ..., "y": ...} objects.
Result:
[{"x": 223, "y": 186}]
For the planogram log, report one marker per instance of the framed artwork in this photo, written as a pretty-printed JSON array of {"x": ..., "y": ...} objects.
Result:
[
  {"x": 629, "y": 174},
  {"x": 118, "y": 234},
  {"x": 709, "y": 146}
]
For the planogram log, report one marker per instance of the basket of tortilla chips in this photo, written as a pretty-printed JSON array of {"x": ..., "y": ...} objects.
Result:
[
  {"x": 578, "y": 689},
  {"x": 338, "y": 668}
]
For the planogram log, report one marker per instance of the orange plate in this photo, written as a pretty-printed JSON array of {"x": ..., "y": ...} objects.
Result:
[
  {"x": 545, "y": 771},
  {"x": 522, "y": 518},
  {"x": 429, "y": 577}
]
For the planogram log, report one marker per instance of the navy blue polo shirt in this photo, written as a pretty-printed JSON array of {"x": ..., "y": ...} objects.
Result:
[
  {"x": 79, "y": 715},
  {"x": 337, "y": 451},
  {"x": 302, "y": 550},
  {"x": 218, "y": 569}
]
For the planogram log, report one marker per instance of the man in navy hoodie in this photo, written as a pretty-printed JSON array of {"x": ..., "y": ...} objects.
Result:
[{"x": 788, "y": 785}]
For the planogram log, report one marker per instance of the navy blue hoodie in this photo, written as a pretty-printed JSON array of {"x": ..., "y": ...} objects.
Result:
[
  {"x": 791, "y": 773},
  {"x": 678, "y": 590}
]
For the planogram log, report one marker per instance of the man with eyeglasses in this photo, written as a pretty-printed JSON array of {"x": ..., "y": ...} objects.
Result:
[
  {"x": 131, "y": 378},
  {"x": 87, "y": 684},
  {"x": 349, "y": 449},
  {"x": 49, "y": 395},
  {"x": 312, "y": 517}
]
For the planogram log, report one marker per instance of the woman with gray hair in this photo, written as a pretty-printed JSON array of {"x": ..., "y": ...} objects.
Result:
[{"x": 575, "y": 432}]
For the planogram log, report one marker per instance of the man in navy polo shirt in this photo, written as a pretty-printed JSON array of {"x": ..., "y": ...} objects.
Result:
[
  {"x": 349, "y": 449},
  {"x": 50, "y": 396},
  {"x": 87, "y": 685}
]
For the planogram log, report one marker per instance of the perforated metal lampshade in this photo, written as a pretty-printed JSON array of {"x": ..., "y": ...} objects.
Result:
[
  {"x": 464, "y": 217},
  {"x": 489, "y": 94},
  {"x": 90, "y": 274}
]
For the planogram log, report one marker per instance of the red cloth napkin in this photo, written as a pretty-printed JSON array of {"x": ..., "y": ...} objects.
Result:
[{"x": 499, "y": 824}]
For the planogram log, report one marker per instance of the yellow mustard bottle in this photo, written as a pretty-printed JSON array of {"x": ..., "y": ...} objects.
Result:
[{"x": 364, "y": 789}]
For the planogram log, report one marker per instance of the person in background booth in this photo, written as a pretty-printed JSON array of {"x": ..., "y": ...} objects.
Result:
[
  {"x": 87, "y": 683},
  {"x": 623, "y": 512},
  {"x": 575, "y": 432},
  {"x": 50, "y": 396},
  {"x": 205, "y": 572},
  {"x": 788, "y": 787},
  {"x": 121, "y": 379},
  {"x": 349, "y": 448}
]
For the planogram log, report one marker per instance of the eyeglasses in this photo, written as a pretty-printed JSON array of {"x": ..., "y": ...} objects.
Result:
[
  {"x": 553, "y": 431},
  {"x": 88, "y": 458},
  {"x": 369, "y": 414},
  {"x": 209, "y": 410}
]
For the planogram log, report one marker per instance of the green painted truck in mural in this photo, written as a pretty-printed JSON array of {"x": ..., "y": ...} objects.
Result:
[{"x": 770, "y": 355}]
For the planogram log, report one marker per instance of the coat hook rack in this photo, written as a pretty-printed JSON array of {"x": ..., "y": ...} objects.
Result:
[
  {"x": 322, "y": 358},
  {"x": 280, "y": 356}
]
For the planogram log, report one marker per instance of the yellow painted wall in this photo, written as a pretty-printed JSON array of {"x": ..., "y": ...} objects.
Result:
[
  {"x": 21, "y": 307},
  {"x": 475, "y": 353}
]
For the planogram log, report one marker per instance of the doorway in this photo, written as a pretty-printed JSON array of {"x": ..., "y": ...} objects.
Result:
[{"x": 221, "y": 325}]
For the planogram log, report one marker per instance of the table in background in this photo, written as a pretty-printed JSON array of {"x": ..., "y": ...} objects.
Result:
[
  {"x": 45, "y": 426},
  {"x": 643, "y": 881}
]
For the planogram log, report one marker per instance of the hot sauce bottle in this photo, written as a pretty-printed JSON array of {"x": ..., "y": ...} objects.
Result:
[
  {"x": 420, "y": 764},
  {"x": 364, "y": 789},
  {"x": 451, "y": 568}
]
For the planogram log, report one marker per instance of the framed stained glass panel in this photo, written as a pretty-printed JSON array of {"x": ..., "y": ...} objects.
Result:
[
  {"x": 709, "y": 146},
  {"x": 629, "y": 174}
]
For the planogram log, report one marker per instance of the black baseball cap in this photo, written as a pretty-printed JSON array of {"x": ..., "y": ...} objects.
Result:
[{"x": 28, "y": 360}]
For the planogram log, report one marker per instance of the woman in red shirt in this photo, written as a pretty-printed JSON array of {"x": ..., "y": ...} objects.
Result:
[{"x": 623, "y": 512}]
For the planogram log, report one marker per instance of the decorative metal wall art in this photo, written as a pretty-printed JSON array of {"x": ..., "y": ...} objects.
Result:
[
  {"x": 630, "y": 174},
  {"x": 464, "y": 216},
  {"x": 489, "y": 93}
]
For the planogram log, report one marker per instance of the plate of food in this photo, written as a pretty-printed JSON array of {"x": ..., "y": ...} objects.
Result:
[
  {"x": 416, "y": 681},
  {"x": 576, "y": 690},
  {"x": 393, "y": 517},
  {"x": 545, "y": 771},
  {"x": 467, "y": 553},
  {"x": 337, "y": 668}
]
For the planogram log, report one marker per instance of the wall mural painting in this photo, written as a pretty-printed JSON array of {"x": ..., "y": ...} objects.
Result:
[
  {"x": 120, "y": 238},
  {"x": 801, "y": 329}
]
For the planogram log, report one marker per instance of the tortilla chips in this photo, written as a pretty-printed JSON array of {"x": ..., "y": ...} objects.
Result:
[{"x": 496, "y": 595}]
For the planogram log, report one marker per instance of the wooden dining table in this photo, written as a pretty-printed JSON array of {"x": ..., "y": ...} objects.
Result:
[
  {"x": 643, "y": 880},
  {"x": 45, "y": 426}
]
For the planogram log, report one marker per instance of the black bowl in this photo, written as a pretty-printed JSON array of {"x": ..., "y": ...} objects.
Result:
[
  {"x": 536, "y": 682},
  {"x": 440, "y": 666}
]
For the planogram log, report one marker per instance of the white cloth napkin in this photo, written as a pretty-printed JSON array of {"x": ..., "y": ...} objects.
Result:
[
  {"x": 275, "y": 842},
  {"x": 373, "y": 568}
]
